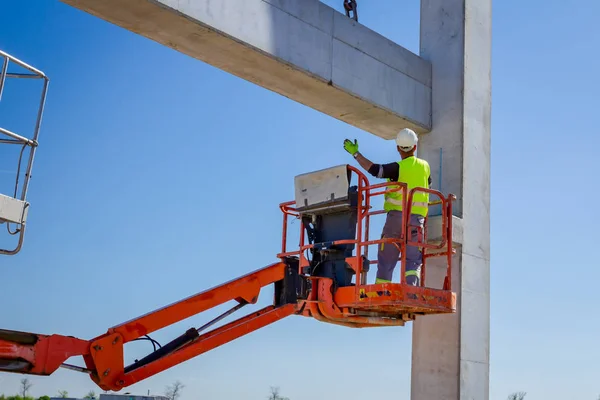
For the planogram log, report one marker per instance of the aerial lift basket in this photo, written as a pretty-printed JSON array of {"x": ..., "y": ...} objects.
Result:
[{"x": 335, "y": 220}]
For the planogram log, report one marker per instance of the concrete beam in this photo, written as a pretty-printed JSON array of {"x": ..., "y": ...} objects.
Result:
[{"x": 303, "y": 50}]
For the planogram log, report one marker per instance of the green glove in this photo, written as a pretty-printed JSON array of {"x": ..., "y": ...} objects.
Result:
[{"x": 350, "y": 147}]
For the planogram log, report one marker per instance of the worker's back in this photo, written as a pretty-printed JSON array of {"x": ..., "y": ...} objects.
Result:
[{"x": 414, "y": 172}]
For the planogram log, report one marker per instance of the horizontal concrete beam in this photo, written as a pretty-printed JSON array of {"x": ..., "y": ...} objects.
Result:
[{"x": 303, "y": 50}]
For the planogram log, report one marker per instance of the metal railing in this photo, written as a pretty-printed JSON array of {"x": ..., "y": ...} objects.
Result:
[
  {"x": 362, "y": 242},
  {"x": 12, "y": 138}
]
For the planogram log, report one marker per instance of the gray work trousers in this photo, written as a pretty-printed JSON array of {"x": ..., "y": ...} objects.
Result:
[{"x": 388, "y": 253}]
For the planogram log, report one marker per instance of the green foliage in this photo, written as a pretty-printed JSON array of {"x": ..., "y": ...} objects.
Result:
[
  {"x": 63, "y": 394},
  {"x": 17, "y": 397},
  {"x": 91, "y": 395}
]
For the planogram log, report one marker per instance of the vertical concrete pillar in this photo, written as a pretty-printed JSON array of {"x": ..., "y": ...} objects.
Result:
[{"x": 450, "y": 357}]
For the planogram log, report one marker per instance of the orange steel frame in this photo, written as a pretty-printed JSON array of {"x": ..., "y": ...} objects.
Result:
[
  {"x": 360, "y": 305},
  {"x": 384, "y": 304}
]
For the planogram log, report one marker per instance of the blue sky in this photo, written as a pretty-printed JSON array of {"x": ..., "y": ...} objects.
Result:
[{"x": 138, "y": 200}]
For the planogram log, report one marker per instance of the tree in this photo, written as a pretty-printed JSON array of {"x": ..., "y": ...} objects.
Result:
[
  {"x": 44, "y": 398},
  {"x": 91, "y": 395},
  {"x": 517, "y": 396},
  {"x": 63, "y": 394},
  {"x": 174, "y": 391},
  {"x": 274, "y": 395},
  {"x": 25, "y": 386}
]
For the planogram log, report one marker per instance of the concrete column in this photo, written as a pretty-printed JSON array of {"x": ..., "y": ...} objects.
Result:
[{"x": 450, "y": 358}]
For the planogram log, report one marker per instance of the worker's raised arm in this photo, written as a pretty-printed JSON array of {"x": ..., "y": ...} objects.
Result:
[
  {"x": 383, "y": 171},
  {"x": 352, "y": 148}
]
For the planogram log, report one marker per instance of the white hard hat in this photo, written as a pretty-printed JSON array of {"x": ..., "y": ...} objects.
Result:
[{"x": 406, "y": 139}]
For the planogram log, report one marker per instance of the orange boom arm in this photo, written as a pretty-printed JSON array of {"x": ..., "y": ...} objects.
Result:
[{"x": 42, "y": 355}]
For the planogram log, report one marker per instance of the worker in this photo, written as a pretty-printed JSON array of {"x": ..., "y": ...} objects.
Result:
[{"x": 414, "y": 172}]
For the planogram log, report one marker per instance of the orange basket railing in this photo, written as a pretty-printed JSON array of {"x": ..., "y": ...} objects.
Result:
[{"x": 365, "y": 193}]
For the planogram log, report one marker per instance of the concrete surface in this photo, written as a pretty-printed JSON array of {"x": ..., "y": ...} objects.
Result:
[
  {"x": 451, "y": 353},
  {"x": 434, "y": 230},
  {"x": 303, "y": 50}
]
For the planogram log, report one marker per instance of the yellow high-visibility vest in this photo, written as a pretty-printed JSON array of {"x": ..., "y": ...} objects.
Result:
[{"x": 415, "y": 173}]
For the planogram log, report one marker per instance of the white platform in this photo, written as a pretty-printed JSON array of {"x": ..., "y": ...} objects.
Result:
[{"x": 13, "y": 210}]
